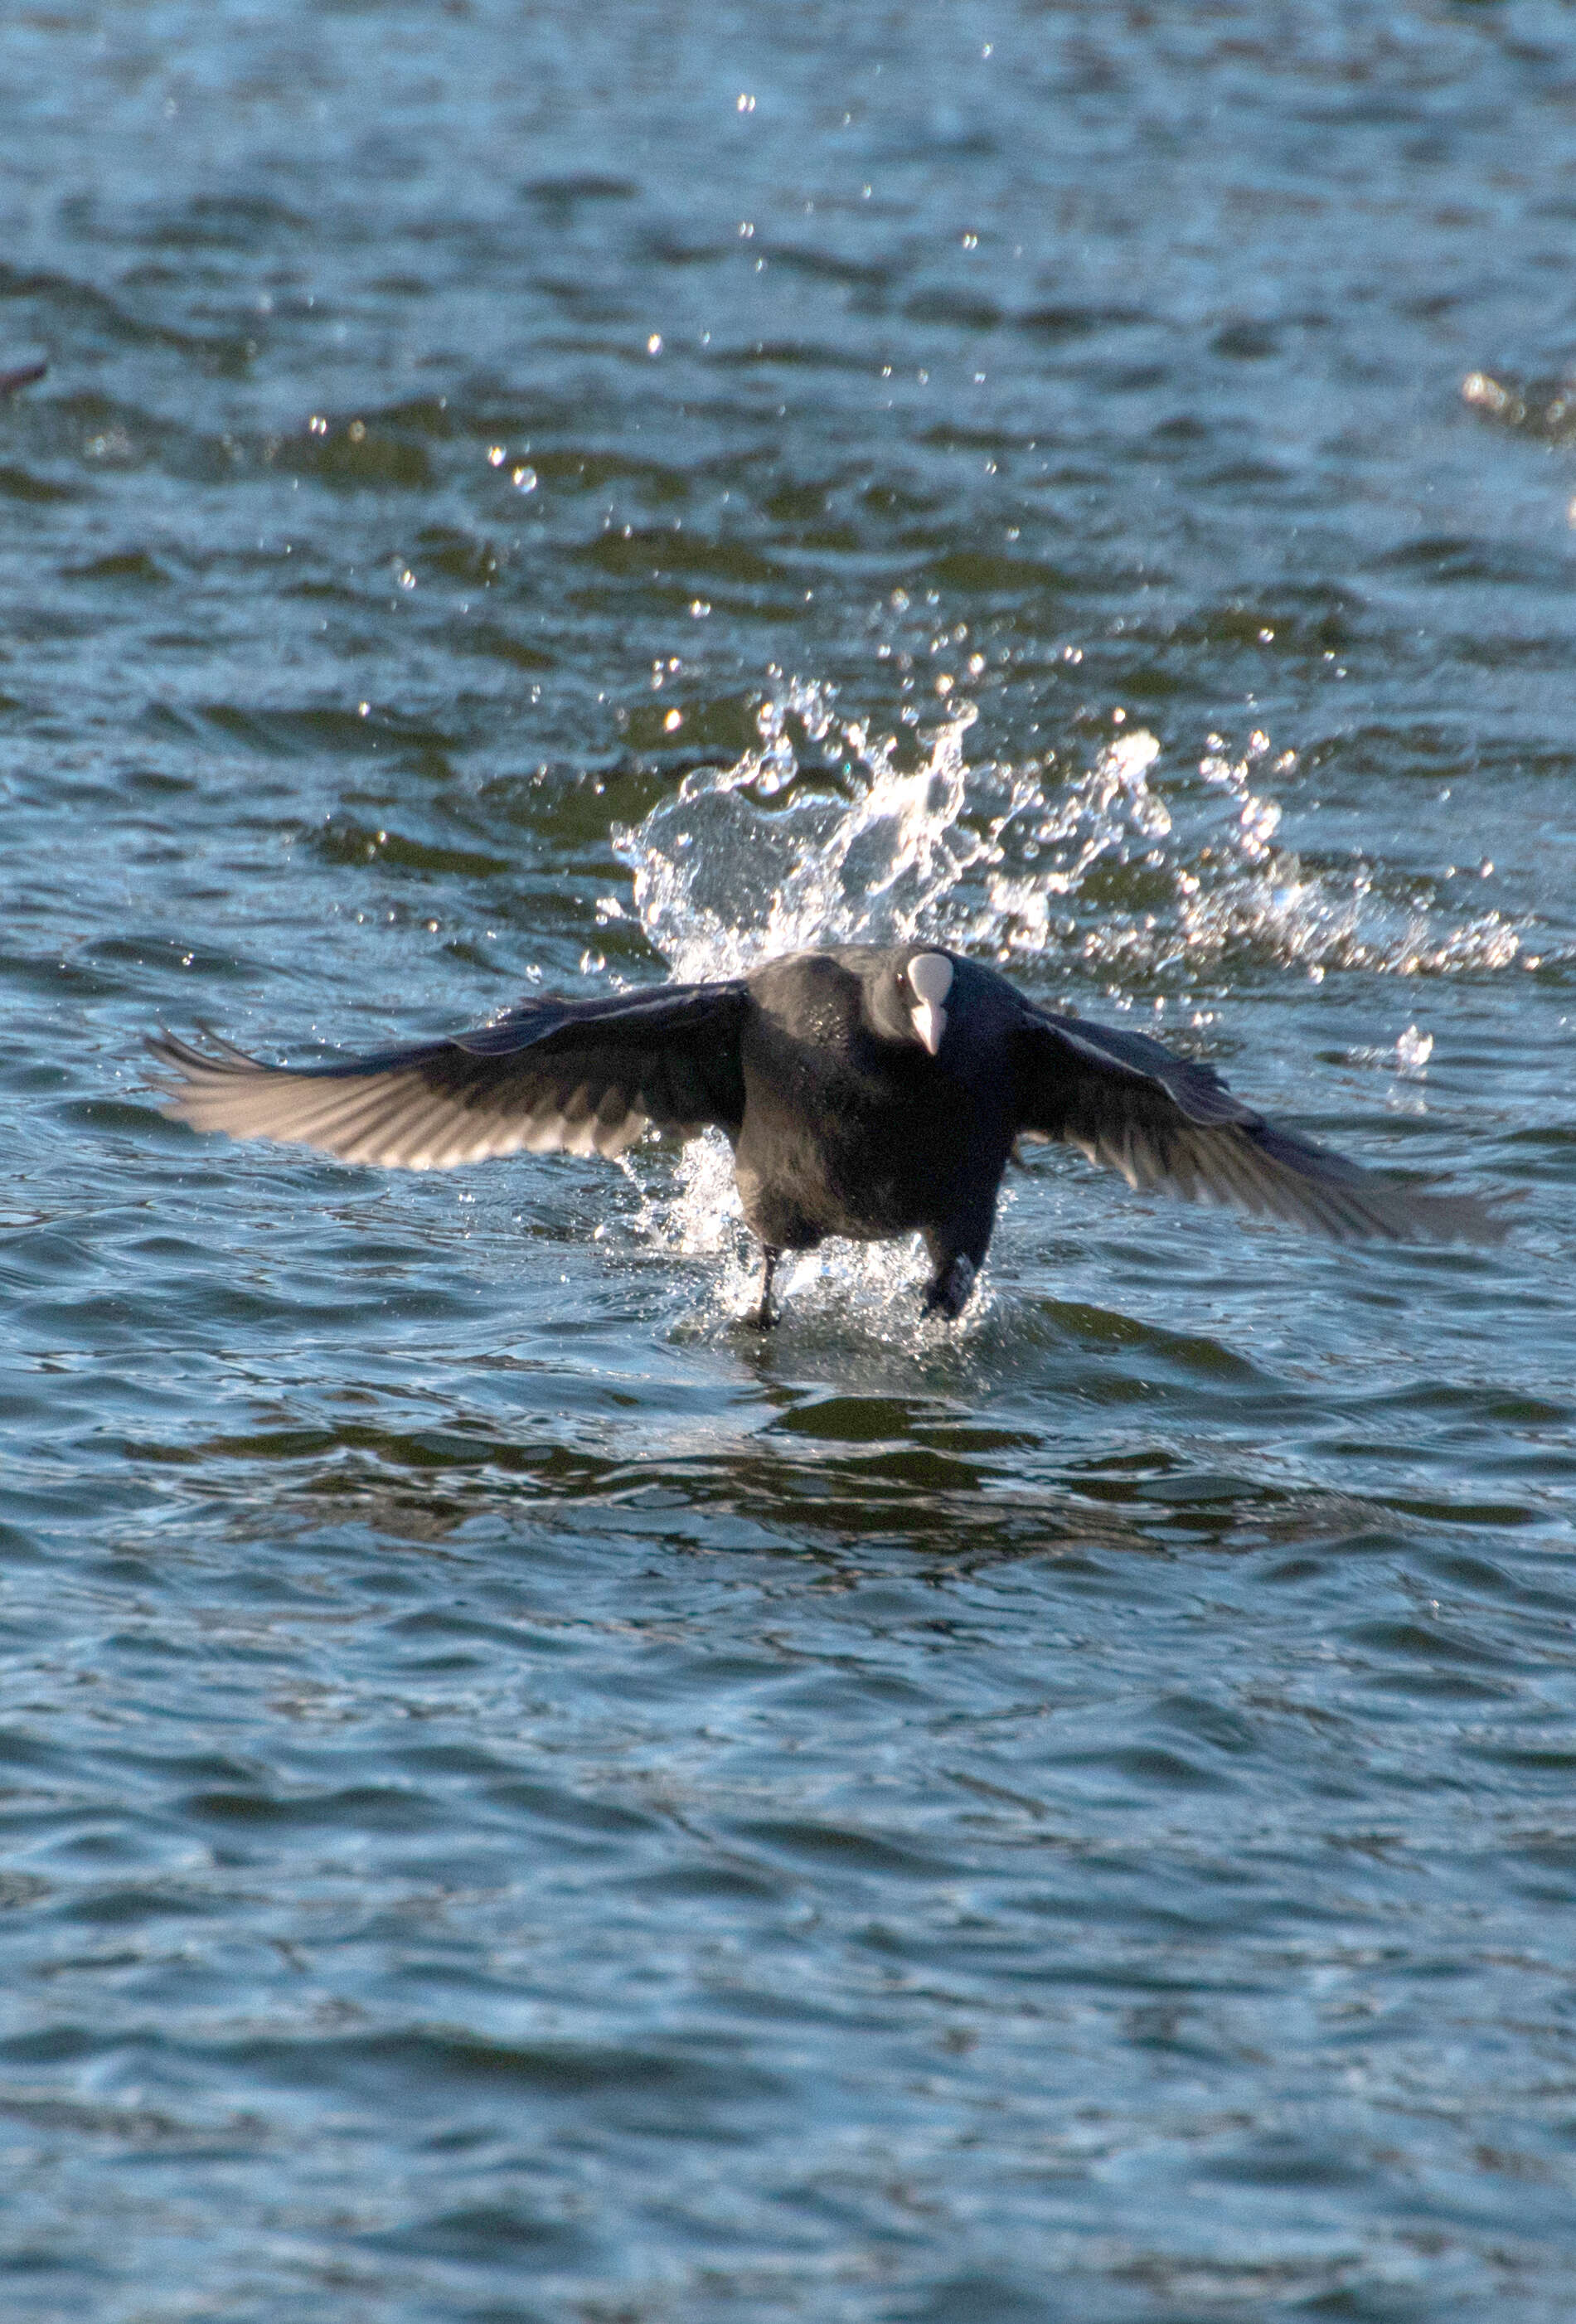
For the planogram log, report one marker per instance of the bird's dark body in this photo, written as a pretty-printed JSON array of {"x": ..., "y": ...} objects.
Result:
[
  {"x": 847, "y": 1132},
  {"x": 866, "y": 1093}
]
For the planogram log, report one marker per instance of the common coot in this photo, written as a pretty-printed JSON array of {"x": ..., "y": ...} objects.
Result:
[{"x": 865, "y": 1092}]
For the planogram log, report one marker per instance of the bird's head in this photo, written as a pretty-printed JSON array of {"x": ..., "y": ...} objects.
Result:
[{"x": 909, "y": 999}]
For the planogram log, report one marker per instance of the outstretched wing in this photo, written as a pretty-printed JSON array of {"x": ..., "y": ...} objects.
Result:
[
  {"x": 585, "y": 1076},
  {"x": 1163, "y": 1121}
]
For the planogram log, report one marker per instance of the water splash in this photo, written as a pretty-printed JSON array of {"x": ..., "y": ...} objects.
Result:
[
  {"x": 1406, "y": 1059},
  {"x": 1413, "y": 1051},
  {"x": 844, "y": 846},
  {"x": 825, "y": 834},
  {"x": 1240, "y": 893},
  {"x": 833, "y": 838}
]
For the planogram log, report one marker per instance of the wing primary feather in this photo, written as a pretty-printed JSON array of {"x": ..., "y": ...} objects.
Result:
[
  {"x": 586, "y": 1075},
  {"x": 345, "y": 1118},
  {"x": 402, "y": 1131},
  {"x": 1122, "y": 1098}
]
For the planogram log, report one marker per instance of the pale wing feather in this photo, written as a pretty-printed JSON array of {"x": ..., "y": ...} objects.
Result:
[{"x": 580, "y": 1077}]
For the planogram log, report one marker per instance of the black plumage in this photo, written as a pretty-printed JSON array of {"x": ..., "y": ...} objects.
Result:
[
  {"x": 866, "y": 1093},
  {"x": 21, "y": 375}
]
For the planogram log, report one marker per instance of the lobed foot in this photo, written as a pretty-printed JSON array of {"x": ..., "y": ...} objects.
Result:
[
  {"x": 765, "y": 1316},
  {"x": 948, "y": 1294}
]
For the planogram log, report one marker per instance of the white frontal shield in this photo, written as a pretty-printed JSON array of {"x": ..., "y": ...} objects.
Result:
[{"x": 930, "y": 976}]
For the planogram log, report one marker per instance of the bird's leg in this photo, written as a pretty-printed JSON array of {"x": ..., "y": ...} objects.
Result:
[
  {"x": 948, "y": 1293},
  {"x": 957, "y": 1252},
  {"x": 765, "y": 1316}
]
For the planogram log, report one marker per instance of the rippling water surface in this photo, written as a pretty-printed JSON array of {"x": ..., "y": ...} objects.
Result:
[{"x": 522, "y": 1800}]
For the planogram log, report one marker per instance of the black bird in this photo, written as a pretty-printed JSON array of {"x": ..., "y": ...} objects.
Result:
[
  {"x": 21, "y": 375},
  {"x": 866, "y": 1093}
]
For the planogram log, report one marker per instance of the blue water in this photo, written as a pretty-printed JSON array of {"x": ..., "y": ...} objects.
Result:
[{"x": 523, "y": 1799}]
